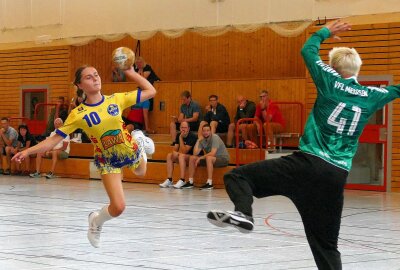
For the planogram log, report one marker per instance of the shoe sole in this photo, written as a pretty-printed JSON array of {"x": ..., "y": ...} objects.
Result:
[{"x": 241, "y": 221}]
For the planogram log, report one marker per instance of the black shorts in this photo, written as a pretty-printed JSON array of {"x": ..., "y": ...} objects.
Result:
[{"x": 222, "y": 128}]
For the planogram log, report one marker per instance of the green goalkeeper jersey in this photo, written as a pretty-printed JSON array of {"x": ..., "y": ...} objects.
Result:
[{"x": 341, "y": 110}]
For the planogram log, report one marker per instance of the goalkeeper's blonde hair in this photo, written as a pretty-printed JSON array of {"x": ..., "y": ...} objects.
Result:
[{"x": 346, "y": 61}]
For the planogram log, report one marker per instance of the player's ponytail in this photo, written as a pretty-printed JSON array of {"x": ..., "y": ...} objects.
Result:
[{"x": 78, "y": 78}]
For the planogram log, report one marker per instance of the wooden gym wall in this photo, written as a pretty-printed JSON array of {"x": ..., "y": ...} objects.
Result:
[
  {"x": 379, "y": 48},
  {"x": 32, "y": 67},
  {"x": 234, "y": 55}
]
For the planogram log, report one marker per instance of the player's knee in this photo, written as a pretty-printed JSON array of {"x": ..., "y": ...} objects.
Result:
[{"x": 117, "y": 208}]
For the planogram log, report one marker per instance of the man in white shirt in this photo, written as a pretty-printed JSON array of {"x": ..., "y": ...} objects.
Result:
[{"x": 60, "y": 151}]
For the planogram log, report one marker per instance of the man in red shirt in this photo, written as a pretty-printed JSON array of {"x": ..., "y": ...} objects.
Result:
[{"x": 271, "y": 117}]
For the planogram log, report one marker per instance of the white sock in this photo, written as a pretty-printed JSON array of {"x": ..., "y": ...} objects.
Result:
[
  {"x": 191, "y": 180},
  {"x": 209, "y": 181},
  {"x": 103, "y": 216}
]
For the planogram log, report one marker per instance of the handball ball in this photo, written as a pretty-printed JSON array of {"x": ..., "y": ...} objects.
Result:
[{"x": 123, "y": 58}]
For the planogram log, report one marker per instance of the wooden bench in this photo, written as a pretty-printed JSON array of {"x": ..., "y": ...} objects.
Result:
[
  {"x": 157, "y": 173},
  {"x": 280, "y": 137},
  {"x": 81, "y": 150},
  {"x": 70, "y": 167},
  {"x": 78, "y": 165}
]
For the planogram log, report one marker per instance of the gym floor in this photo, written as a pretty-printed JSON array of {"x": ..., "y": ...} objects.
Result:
[{"x": 43, "y": 225}]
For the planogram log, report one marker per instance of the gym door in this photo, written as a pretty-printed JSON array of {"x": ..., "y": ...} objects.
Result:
[{"x": 369, "y": 170}]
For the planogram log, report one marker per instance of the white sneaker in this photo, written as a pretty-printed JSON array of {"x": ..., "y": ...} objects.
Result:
[
  {"x": 94, "y": 230},
  {"x": 166, "y": 184},
  {"x": 179, "y": 184},
  {"x": 144, "y": 141}
]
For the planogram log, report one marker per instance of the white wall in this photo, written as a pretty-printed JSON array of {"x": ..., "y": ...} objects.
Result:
[{"x": 25, "y": 20}]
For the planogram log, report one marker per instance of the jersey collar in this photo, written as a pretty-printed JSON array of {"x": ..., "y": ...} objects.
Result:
[
  {"x": 96, "y": 104},
  {"x": 354, "y": 78}
]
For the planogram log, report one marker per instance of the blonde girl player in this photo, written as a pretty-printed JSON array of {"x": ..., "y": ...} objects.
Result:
[{"x": 101, "y": 118}]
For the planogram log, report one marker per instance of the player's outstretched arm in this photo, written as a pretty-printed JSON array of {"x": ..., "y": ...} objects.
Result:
[{"x": 42, "y": 147}]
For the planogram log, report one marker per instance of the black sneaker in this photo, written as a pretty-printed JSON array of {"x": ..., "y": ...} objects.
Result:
[
  {"x": 187, "y": 185},
  {"x": 207, "y": 186},
  {"x": 240, "y": 221}
]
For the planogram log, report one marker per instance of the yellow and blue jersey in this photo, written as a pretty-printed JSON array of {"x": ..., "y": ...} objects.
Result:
[{"x": 114, "y": 146}]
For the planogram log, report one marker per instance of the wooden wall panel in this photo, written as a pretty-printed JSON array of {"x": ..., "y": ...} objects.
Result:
[
  {"x": 227, "y": 91},
  {"x": 167, "y": 92},
  {"x": 32, "y": 67},
  {"x": 259, "y": 55},
  {"x": 379, "y": 47}
]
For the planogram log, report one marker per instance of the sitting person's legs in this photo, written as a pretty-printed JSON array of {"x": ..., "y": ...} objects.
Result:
[
  {"x": 213, "y": 126},
  {"x": 9, "y": 151},
  {"x": 55, "y": 155},
  {"x": 194, "y": 126},
  {"x": 243, "y": 131},
  {"x": 231, "y": 133},
  {"x": 183, "y": 162},
  {"x": 171, "y": 159},
  {"x": 210, "y": 162},
  {"x": 270, "y": 129},
  {"x": 2, "y": 153},
  {"x": 39, "y": 157},
  {"x": 252, "y": 131},
  {"x": 219, "y": 128},
  {"x": 173, "y": 128}
]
